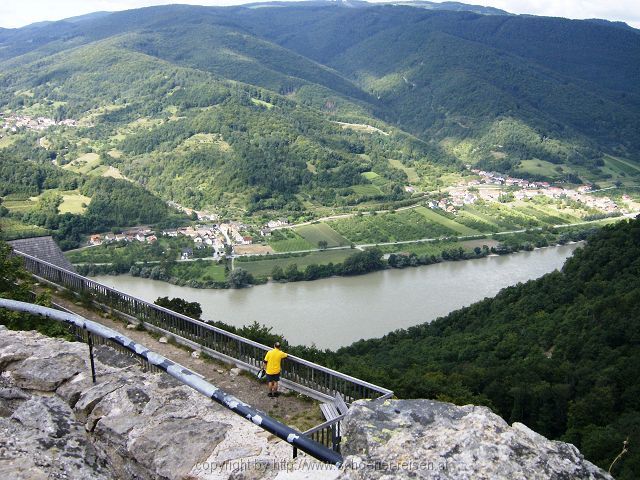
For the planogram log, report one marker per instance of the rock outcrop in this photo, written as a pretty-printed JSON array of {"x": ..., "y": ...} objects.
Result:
[
  {"x": 435, "y": 440},
  {"x": 55, "y": 423}
]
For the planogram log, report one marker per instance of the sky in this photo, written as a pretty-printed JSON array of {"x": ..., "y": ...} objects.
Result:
[{"x": 17, "y": 13}]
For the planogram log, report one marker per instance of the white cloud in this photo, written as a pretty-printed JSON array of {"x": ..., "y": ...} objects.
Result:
[{"x": 15, "y": 13}]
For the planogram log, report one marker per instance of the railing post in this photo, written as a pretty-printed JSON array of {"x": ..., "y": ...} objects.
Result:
[{"x": 93, "y": 366}]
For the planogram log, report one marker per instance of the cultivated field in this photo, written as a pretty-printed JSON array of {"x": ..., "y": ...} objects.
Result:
[
  {"x": 321, "y": 232},
  {"x": 264, "y": 267}
]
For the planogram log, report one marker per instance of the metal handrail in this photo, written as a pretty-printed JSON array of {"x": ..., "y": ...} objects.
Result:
[
  {"x": 350, "y": 387},
  {"x": 186, "y": 376}
]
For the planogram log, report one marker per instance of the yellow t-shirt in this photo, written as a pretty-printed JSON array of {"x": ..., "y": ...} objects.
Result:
[{"x": 274, "y": 358}]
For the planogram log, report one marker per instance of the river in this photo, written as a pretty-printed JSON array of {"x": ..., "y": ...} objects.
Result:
[{"x": 334, "y": 312}]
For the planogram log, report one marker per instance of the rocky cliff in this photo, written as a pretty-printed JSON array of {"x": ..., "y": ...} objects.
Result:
[
  {"x": 55, "y": 423},
  {"x": 436, "y": 440}
]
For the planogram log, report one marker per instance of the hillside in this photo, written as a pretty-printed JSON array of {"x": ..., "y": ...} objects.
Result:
[
  {"x": 281, "y": 111},
  {"x": 558, "y": 353}
]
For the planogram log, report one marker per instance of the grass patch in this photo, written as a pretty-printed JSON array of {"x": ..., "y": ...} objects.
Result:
[
  {"x": 84, "y": 164},
  {"x": 73, "y": 202},
  {"x": 322, "y": 232},
  {"x": 366, "y": 190},
  {"x": 263, "y": 268},
  {"x": 539, "y": 167},
  {"x": 621, "y": 165},
  {"x": 200, "y": 270},
  {"x": 262, "y": 103},
  {"x": 446, "y": 222}
]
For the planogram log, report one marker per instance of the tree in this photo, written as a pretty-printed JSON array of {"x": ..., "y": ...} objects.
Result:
[
  {"x": 277, "y": 273},
  {"x": 190, "y": 309},
  {"x": 323, "y": 244},
  {"x": 240, "y": 278}
]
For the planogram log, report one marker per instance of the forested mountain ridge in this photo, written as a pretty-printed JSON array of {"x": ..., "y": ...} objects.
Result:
[{"x": 198, "y": 104}]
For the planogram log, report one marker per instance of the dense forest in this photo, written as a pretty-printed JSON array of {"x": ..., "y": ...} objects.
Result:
[{"x": 559, "y": 354}]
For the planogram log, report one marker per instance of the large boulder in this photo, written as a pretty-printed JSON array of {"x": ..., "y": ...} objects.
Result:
[{"x": 435, "y": 440}]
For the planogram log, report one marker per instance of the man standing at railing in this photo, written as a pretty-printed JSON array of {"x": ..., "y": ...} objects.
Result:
[{"x": 272, "y": 366}]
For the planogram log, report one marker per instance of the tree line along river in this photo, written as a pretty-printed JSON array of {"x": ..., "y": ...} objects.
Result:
[{"x": 335, "y": 312}]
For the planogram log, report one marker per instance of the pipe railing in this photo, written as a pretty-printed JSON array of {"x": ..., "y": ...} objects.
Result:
[
  {"x": 306, "y": 377},
  {"x": 296, "y": 439}
]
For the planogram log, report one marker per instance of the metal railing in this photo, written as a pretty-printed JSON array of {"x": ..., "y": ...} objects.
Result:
[
  {"x": 300, "y": 375},
  {"x": 95, "y": 333}
]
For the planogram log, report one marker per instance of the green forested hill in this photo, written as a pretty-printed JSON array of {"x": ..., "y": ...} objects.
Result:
[
  {"x": 237, "y": 107},
  {"x": 559, "y": 354}
]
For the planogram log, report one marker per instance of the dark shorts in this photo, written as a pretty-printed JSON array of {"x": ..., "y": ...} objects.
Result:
[{"x": 273, "y": 378}]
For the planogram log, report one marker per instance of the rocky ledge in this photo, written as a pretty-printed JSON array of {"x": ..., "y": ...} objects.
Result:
[
  {"x": 56, "y": 424},
  {"x": 435, "y": 440}
]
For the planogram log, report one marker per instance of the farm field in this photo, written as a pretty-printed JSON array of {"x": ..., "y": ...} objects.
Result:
[
  {"x": 446, "y": 222},
  {"x": 11, "y": 229},
  {"x": 286, "y": 240},
  {"x": 436, "y": 247},
  {"x": 321, "y": 232},
  {"x": 264, "y": 266},
  {"x": 389, "y": 227},
  {"x": 19, "y": 206}
]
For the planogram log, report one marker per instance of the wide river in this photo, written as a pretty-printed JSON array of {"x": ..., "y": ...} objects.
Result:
[{"x": 334, "y": 312}]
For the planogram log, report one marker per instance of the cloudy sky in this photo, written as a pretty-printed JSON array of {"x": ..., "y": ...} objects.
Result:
[{"x": 15, "y": 13}]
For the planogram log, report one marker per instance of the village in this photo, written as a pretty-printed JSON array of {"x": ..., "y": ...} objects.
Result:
[
  {"x": 222, "y": 239},
  {"x": 13, "y": 123},
  {"x": 490, "y": 187}
]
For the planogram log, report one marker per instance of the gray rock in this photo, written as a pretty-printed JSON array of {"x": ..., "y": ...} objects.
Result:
[
  {"x": 234, "y": 372},
  {"x": 163, "y": 340},
  {"x": 13, "y": 353},
  {"x": 435, "y": 440},
  {"x": 89, "y": 398},
  {"x": 42, "y": 440},
  {"x": 195, "y": 354},
  {"x": 161, "y": 448},
  {"x": 46, "y": 374}
]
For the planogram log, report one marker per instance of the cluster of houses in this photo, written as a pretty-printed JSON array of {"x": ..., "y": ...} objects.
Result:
[
  {"x": 468, "y": 193},
  {"x": 145, "y": 235},
  {"x": 215, "y": 236},
  {"x": 13, "y": 123}
]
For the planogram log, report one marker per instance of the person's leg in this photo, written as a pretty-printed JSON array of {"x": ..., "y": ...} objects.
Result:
[{"x": 275, "y": 388}]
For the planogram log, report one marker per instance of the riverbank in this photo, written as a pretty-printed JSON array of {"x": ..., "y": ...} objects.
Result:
[{"x": 244, "y": 271}]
